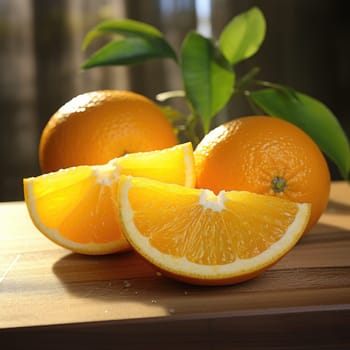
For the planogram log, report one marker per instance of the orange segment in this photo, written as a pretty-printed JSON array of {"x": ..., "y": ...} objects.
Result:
[
  {"x": 156, "y": 165},
  {"x": 77, "y": 209},
  {"x": 73, "y": 207},
  {"x": 204, "y": 238}
]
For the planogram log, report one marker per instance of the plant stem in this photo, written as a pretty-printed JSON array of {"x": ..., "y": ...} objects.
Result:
[
  {"x": 252, "y": 105},
  {"x": 167, "y": 95},
  {"x": 192, "y": 129},
  {"x": 282, "y": 88},
  {"x": 246, "y": 80}
]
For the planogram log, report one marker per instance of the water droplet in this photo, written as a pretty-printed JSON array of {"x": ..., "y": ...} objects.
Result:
[
  {"x": 158, "y": 273},
  {"x": 171, "y": 310},
  {"x": 154, "y": 301},
  {"x": 126, "y": 284},
  {"x": 185, "y": 292},
  {"x": 136, "y": 292}
]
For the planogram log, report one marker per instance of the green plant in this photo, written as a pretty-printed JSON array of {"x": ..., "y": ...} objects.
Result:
[{"x": 209, "y": 80}]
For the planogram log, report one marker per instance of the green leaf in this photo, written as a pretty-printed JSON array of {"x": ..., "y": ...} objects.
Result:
[
  {"x": 138, "y": 42},
  {"x": 313, "y": 117},
  {"x": 207, "y": 76},
  {"x": 123, "y": 52},
  {"x": 124, "y": 27},
  {"x": 243, "y": 35}
]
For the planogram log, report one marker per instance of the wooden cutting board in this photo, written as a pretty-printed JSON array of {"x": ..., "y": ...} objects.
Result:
[{"x": 44, "y": 285}]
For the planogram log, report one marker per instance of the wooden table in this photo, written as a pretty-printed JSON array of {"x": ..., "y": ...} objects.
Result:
[{"x": 51, "y": 298}]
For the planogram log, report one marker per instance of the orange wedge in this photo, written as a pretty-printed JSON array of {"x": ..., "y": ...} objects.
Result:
[
  {"x": 76, "y": 207},
  {"x": 203, "y": 238}
]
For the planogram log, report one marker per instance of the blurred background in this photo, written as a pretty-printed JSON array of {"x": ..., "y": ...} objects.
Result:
[{"x": 307, "y": 46}]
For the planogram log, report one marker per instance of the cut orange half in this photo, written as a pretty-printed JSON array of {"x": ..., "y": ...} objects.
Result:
[
  {"x": 198, "y": 237},
  {"x": 76, "y": 207}
]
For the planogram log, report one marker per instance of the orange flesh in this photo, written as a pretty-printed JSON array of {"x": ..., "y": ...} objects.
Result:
[
  {"x": 77, "y": 207},
  {"x": 157, "y": 165},
  {"x": 85, "y": 196},
  {"x": 207, "y": 236}
]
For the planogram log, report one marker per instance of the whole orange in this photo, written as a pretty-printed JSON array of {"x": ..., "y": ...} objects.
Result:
[
  {"x": 264, "y": 155},
  {"x": 97, "y": 126}
]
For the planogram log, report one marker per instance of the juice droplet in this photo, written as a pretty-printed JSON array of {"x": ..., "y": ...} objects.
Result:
[{"x": 126, "y": 284}]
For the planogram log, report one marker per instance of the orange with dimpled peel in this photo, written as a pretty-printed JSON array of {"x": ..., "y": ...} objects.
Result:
[
  {"x": 264, "y": 155},
  {"x": 97, "y": 126}
]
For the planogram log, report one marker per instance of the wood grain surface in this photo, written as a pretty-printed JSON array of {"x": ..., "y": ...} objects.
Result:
[{"x": 302, "y": 301}]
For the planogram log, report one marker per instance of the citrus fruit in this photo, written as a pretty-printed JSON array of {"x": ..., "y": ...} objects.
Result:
[
  {"x": 76, "y": 207},
  {"x": 203, "y": 238},
  {"x": 97, "y": 126},
  {"x": 264, "y": 155}
]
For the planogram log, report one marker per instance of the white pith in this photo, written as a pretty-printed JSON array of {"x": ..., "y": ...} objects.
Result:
[
  {"x": 189, "y": 165},
  {"x": 209, "y": 200},
  {"x": 106, "y": 174}
]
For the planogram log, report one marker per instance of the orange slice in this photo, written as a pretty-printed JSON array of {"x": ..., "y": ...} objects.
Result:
[
  {"x": 198, "y": 237},
  {"x": 76, "y": 207}
]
